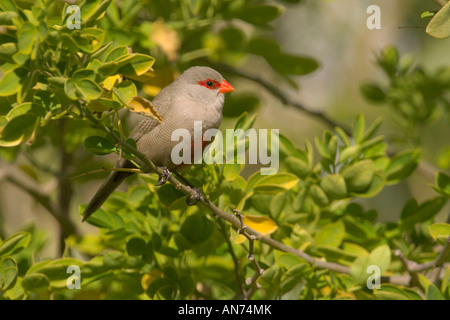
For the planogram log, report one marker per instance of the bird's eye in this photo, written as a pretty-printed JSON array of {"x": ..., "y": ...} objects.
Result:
[{"x": 209, "y": 83}]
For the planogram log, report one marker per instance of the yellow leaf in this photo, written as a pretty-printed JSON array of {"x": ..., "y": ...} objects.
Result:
[
  {"x": 262, "y": 224},
  {"x": 148, "y": 278},
  {"x": 143, "y": 106},
  {"x": 109, "y": 82},
  {"x": 151, "y": 90},
  {"x": 166, "y": 38},
  {"x": 150, "y": 74}
]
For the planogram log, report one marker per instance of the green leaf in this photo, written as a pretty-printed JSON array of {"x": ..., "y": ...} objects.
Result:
[
  {"x": 57, "y": 82},
  {"x": 25, "y": 108},
  {"x": 181, "y": 242},
  {"x": 167, "y": 194},
  {"x": 297, "y": 166},
  {"x": 114, "y": 259},
  {"x": 91, "y": 10},
  {"x": 138, "y": 65},
  {"x": 373, "y": 93},
  {"x": 11, "y": 82},
  {"x": 105, "y": 219},
  {"x": 370, "y": 132},
  {"x": 232, "y": 171},
  {"x": 349, "y": 152},
  {"x": 109, "y": 68},
  {"x": 374, "y": 188},
  {"x": 277, "y": 204},
  {"x": 116, "y": 53},
  {"x": 83, "y": 74},
  {"x": 381, "y": 256},
  {"x": 390, "y": 292},
  {"x": 124, "y": 91},
  {"x": 6, "y": 18},
  {"x": 439, "y": 26},
  {"x": 260, "y": 14},
  {"x": 283, "y": 63},
  {"x": 88, "y": 40},
  {"x": 322, "y": 148},
  {"x": 99, "y": 145},
  {"x": 35, "y": 281},
  {"x": 358, "y": 269},
  {"x": 428, "y": 14},
  {"x": 55, "y": 271},
  {"x": 136, "y": 246},
  {"x": 389, "y": 60},
  {"x": 432, "y": 293},
  {"x": 318, "y": 195},
  {"x": 331, "y": 235},
  {"x": 425, "y": 211},
  {"x": 8, "y": 273},
  {"x": 70, "y": 89},
  {"x": 164, "y": 286},
  {"x": 334, "y": 186},
  {"x": 440, "y": 232},
  {"x": 7, "y": 51},
  {"x": 292, "y": 65},
  {"x": 359, "y": 126},
  {"x": 442, "y": 184},
  {"x": 18, "y": 130},
  {"x": 88, "y": 89},
  {"x": 358, "y": 176},
  {"x": 26, "y": 37},
  {"x": 272, "y": 184},
  {"x": 187, "y": 285},
  {"x": 402, "y": 165},
  {"x": 197, "y": 228}
]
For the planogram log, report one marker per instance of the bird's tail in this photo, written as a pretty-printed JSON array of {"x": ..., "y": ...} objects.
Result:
[{"x": 114, "y": 179}]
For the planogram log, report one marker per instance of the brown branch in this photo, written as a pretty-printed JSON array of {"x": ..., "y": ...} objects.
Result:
[
  {"x": 251, "y": 282},
  {"x": 414, "y": 267}
]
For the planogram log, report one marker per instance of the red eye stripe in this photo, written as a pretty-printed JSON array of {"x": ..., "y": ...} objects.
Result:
[{"x": 210, "y": 84}]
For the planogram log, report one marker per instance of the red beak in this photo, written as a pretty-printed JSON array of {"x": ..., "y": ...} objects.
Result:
[{"x": 225, "y": 87}]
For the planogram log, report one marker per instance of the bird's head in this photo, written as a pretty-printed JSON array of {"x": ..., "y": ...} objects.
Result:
[{"x": 205, "y": 84}]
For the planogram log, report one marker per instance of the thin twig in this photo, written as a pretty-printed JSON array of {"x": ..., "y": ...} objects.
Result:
[
  {"x": 413, "y": 266},
  {"x": 251, "y": 282}
]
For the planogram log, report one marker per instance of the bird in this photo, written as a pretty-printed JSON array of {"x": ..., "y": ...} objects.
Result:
[{"x": 198, "y": 94}]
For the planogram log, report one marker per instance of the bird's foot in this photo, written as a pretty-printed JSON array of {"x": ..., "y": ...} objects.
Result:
[
  {"x": 194, "y": 198},
  {"x": 164, "y": 177}
]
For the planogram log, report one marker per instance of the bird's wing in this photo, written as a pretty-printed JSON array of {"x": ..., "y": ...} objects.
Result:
[{"x": 161, "y": 103}]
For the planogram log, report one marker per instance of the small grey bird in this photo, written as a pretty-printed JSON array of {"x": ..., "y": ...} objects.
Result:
[{"x": 196, "y": 95}]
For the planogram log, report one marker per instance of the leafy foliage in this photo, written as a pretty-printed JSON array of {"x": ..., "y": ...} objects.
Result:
[{"x": 61, "y": 86}]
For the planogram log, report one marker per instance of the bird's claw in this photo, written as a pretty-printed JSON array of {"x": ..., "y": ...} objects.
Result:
[
  {"x": 194, "y": 198},
  {"x": 164, "y": 177}
]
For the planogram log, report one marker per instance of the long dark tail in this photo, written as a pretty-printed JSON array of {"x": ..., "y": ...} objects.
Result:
[{"x": 109, "y": 185}]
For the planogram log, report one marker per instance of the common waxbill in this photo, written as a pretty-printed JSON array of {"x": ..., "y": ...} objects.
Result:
[{"x": 196, "y": 95}]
